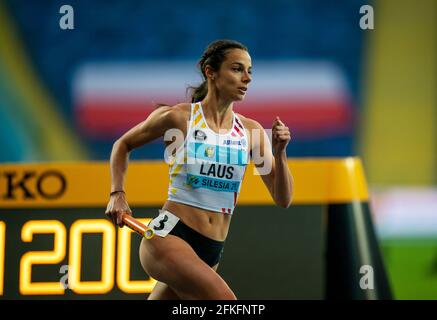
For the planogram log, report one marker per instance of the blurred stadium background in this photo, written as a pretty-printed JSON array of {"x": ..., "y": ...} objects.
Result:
[{"x": 66, "y": 95}]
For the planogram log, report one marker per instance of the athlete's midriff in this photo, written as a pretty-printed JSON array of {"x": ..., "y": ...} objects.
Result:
[{"x": 214, "y": 225}]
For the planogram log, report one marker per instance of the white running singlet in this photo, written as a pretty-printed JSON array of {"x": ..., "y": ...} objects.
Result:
[{"x": 208, "y": 169}]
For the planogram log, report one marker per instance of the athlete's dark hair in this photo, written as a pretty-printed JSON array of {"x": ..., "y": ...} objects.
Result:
[{"x": 213, "y": 56}]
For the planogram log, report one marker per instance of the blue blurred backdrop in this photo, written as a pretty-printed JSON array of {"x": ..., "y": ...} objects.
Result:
[{"x": 133, "y": 32}]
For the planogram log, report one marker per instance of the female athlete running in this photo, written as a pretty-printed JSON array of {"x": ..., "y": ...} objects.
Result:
[{"x": 206, "y": 170}]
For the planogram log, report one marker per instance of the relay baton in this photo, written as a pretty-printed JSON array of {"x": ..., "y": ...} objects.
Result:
[{"x": 137, "y": 226}]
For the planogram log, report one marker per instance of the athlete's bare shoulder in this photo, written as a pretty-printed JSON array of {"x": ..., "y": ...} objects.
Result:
[
  {"x": 184, "y": 107},
  {"x": 177, "y": 115},
  {"x": 249, "y": 123},
  {"x": 182, "y": 110}
]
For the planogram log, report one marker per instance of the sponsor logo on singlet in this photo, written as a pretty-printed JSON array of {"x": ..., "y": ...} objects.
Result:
[
  {"x": 213, "y": 184},
  {"x": 199, "y": 135},
  {"x": 232, "y": 142}
]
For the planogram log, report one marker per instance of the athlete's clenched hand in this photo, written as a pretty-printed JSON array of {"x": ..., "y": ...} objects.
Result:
[{"x": 117, "y": 206}]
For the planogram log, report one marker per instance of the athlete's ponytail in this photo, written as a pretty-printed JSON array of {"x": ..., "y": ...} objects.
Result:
[
  {"x": 213, "y": 56},
  {"x": 199, "y": 93}
]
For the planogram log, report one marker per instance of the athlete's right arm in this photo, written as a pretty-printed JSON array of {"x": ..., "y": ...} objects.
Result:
[{"x": 155, "y": 126}]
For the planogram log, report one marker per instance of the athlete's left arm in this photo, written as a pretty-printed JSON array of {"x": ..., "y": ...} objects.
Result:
[{"x": 273, "y": 166}]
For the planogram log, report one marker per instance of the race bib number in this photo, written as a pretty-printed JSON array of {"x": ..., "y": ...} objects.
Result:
[{"x": 163, "y": 223}]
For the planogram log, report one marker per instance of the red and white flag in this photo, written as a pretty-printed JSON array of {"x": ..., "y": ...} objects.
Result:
[{"x": 312, "y": 98}]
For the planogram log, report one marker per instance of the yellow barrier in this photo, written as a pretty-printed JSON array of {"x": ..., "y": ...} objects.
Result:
[
  {"x": 62, "y": 204},
  {"x": 87, "y": 184}
]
